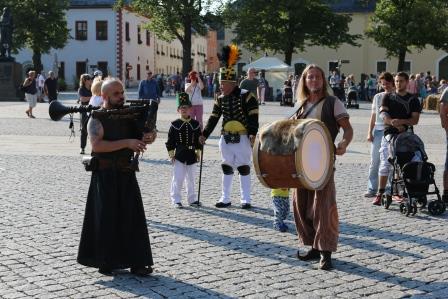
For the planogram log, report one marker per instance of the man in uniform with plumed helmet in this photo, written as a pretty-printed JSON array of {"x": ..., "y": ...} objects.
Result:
[{"x": 239, "y": 109}]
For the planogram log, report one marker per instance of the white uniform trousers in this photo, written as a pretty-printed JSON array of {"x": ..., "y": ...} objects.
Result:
[
  {"x": 235, "y": 155},
  {"x": 183, "y": 172}
]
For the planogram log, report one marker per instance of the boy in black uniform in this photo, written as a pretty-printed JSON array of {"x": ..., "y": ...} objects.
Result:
[{"x": 184, "y": 150}]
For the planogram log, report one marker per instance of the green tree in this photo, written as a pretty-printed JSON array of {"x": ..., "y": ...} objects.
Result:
[
  {"x": 39, "y": 25},
  {"x": 402, "y": 25},
  {"x": 286, "y": 26},
  {"x": 171, "y": 19}
]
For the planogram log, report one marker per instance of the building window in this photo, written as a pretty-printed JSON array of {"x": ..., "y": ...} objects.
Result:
[
  {"x": 81, "y": 30},
  {"x": 81, "y": 68},
  {"x": 148, "y": 38},
  {"x": 61, "y": 70},
  {"x": 138, "y": 71},
  {"x": 101, "y": 30},
  {"x": 381, "y": 66},
  {"x": 333, "y": 65},
  {"x": 139, "y": 35},
  {"x": 128, "y": 36},
  {"x": 407, "y": 67},
  {"x": 102, "y": 66}
]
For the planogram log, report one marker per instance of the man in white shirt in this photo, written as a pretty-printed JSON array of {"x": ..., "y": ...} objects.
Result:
[{"x": 40, "y": 87}]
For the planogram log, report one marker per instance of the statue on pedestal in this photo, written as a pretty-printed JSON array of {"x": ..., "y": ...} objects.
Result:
[{"x": 6, "y": 28}]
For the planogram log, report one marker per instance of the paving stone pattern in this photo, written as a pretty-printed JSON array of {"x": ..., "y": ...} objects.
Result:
[{"x": 207, "y": 252}]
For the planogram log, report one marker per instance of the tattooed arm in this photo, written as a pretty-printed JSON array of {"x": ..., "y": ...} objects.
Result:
[{"x": 99, "y": 145}]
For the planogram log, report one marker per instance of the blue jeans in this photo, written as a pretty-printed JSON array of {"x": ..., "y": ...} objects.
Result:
[{"x": 372, "y": 186}]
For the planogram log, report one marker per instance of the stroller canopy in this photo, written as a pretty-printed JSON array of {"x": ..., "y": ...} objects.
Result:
[{"x": 407, "y": 142}]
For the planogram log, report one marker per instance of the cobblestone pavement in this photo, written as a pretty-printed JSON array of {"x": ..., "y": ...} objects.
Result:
[{"x": 205, "y": 252}]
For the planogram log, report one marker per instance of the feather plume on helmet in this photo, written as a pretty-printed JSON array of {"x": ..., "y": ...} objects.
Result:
[{"x": 229, "y": 57}]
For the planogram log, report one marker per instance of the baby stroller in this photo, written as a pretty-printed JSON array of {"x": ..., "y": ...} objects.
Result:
[
  {"x": 351, "y": 98},
  {"x": 412, "y": 176},
  {"x": 287, "y": 96}
]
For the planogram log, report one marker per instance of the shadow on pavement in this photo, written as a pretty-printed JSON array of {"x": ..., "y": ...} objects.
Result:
[
  {"x": 377, "y": 275},
  {"x": 250, "y": 246},
  {"x": 157, "y": 286},
  {"x": 354, "y": 229}
]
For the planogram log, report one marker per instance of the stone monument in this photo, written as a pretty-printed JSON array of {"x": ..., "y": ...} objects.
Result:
[{"x": 10, "y": 71}]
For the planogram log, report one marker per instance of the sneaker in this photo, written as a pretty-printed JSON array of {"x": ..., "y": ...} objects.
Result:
[
  {"x": 223, "y": 204},
  {"x": 246, "y": 206},
  {"x": 369, "y": 194},
  {"x": 82, "y": 152},
  {"x": 398, "y": 198},
  {"x": 377, "y": 200},
  {"x": 195, "y": 204},
  {"x": 177, "y": 205},
  {"x": 283, "y": 228},
  {"x": 280, "y": 227}
]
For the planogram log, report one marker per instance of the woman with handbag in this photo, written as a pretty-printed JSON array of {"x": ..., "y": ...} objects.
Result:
[{"x": 30, "y": 89}]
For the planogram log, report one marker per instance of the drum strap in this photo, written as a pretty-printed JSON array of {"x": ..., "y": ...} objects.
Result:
[{"x": 299, "y": 113}]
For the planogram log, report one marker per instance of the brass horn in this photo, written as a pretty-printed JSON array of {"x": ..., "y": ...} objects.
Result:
[{"x": 57, "y": 110}]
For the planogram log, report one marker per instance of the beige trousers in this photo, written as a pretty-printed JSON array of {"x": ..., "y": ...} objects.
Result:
[{"x": 316, "y": 217}]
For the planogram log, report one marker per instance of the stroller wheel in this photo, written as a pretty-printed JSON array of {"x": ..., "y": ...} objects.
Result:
[
  {"x": 422, "y": 202},
  {"x": 386, "y": 201},
  {"x": 405, "y": 208},
  {"x": 436, "y": 207}
]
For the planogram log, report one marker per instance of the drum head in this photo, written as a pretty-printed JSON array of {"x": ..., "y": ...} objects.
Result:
[{"x": 314, "y": 157}]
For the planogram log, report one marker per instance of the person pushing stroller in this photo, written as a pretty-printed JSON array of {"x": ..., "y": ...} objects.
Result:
[{"x": 400, "y": 111}]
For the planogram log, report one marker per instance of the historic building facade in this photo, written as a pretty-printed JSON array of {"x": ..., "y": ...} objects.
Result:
[{"x": 115, "y": 42}]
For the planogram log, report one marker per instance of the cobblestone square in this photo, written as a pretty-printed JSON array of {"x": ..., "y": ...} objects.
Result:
[{"x": 206, "y": 252}]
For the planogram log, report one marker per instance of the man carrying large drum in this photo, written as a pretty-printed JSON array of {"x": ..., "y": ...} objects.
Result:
[{"x": 315, "y": 211}]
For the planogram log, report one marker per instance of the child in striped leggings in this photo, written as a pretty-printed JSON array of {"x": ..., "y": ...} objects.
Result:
[{"x": 280, "y": 203}]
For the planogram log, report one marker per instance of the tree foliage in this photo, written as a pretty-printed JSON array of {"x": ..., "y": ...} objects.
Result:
[
  {"x": 399, "y": 26},
  {"x": 287, "y": 25},
  {"x": 39, "y": 25},
  {"x": 171, "y": 19}
]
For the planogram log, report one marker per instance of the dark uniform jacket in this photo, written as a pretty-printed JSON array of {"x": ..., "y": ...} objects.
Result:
[
  {"x": 183, "y": 140},
  {"x": 240, "y": 105}
]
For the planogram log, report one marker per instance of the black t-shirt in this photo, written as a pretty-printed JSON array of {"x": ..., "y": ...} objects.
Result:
[
  {"x": 401, "y": 107},
  {"x": 84, "y": 92},
  {"x": 51, "y": 85}
]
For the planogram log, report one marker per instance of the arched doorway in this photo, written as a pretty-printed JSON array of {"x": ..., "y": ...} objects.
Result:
[{"x": 443, "y": 68}]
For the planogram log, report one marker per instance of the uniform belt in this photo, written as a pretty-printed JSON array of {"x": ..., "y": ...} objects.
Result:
[
  {"x": 234, "y": 133},
  {"x": 121, "y": 164}
]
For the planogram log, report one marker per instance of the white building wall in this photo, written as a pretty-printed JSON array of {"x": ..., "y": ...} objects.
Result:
[
  {"x": 134, "y": 53},
  {"x": 199, "y": 48},
  {"x": 81, "y": 50},
  {"x": 168, "y": 57}
]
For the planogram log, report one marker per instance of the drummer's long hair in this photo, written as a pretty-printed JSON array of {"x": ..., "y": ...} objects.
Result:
[{"x": 302, "y": 91}]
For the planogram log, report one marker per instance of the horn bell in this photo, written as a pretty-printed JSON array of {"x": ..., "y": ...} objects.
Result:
[{"x": 57, "y": 110}]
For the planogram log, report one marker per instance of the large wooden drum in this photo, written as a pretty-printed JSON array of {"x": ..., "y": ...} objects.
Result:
[{"x": 295, "y": 153}]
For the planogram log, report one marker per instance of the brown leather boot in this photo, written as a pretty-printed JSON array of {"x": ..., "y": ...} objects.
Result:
[
  {"x": 325, "y": 260},
  {"x": 312, "y": 254}
]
